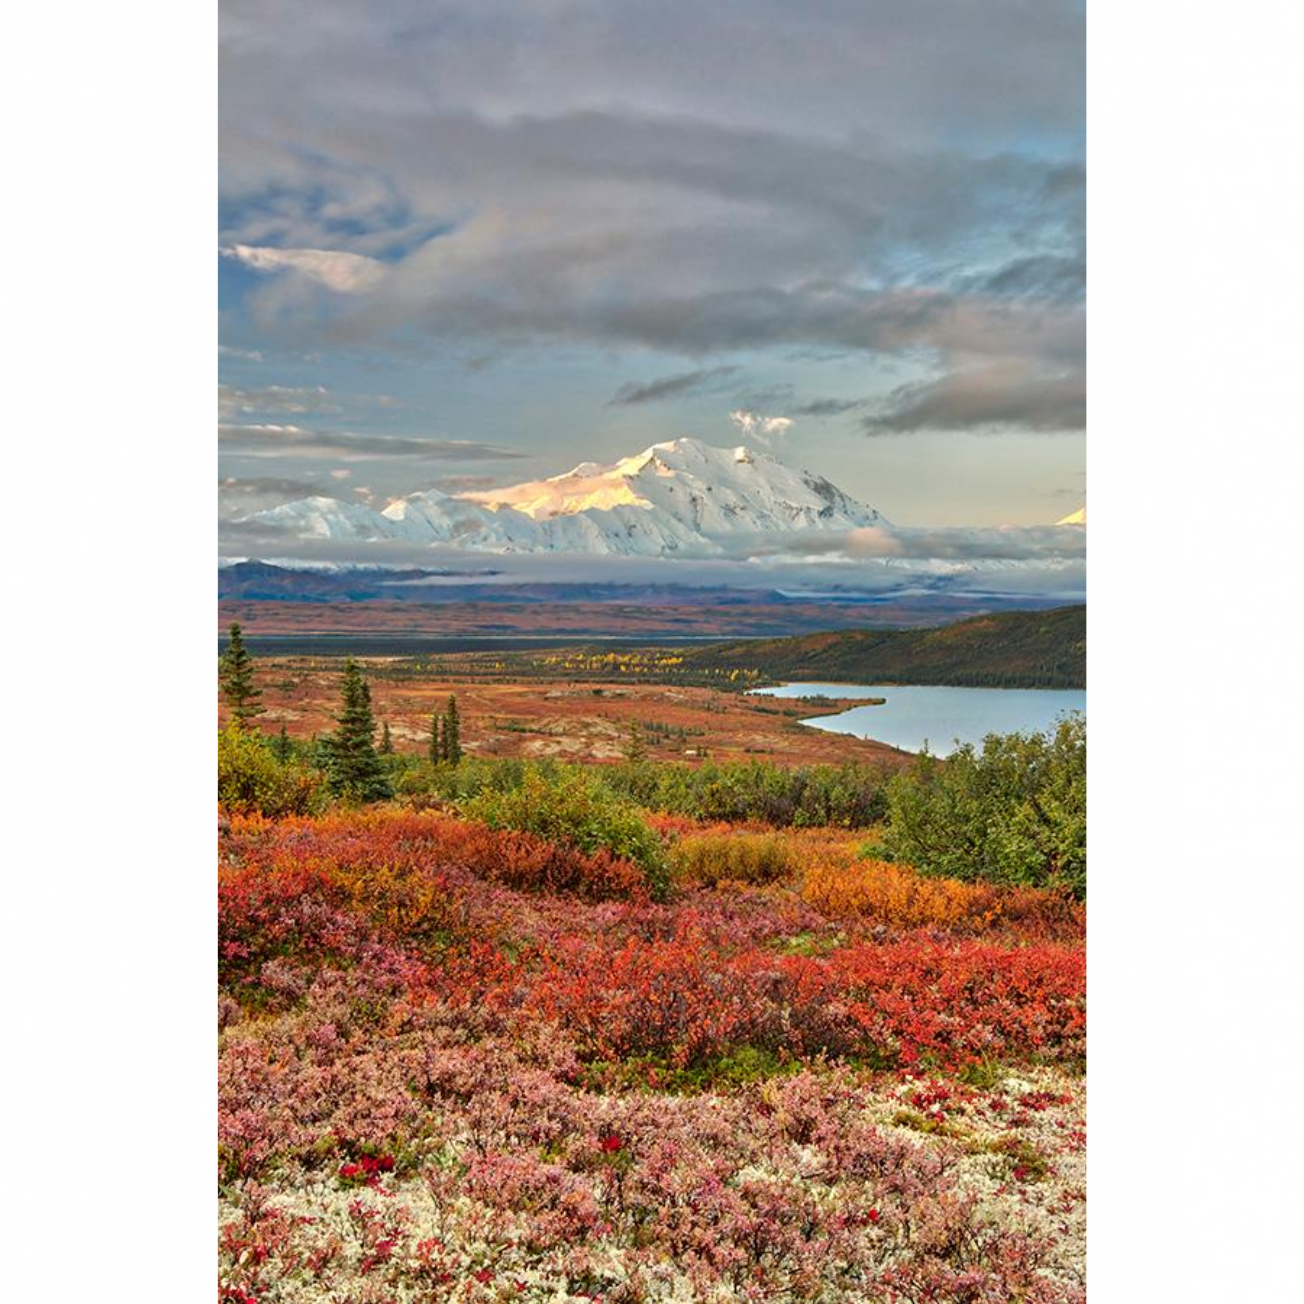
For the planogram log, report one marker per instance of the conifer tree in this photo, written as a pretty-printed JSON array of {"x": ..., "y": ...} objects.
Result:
[
  {"x": 237, "y": 679},
  {"x": 386, "y": 742},
  {"x": 353, "y": 769},
  {"x": 436, "y": 739},
  {"x": 635, "y": 748},
  {"x": 452, "y": 746},
  {"x": 282, "y": 746}
]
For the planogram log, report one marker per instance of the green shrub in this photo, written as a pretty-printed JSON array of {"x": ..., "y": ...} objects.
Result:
[
  {"x": 850, "y": 796},
  {"x": 250, "y": 780},
  {"x": 418, "y": 778},
  {"x": 731, "y": 1070},
  {"x": 1014, "y": 812},
  {"x": 707, "y": 858},
  {"x": 574, "y": 809}
]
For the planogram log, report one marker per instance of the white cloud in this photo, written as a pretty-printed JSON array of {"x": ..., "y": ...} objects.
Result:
[
  {"x": 754, "y": 426},
  {"x": 233, "y": 403},
  {"x": 246, "y": 355},
  {"x": 344, "y": 273}
]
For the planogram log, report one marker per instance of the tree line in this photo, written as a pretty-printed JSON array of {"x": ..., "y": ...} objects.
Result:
[{"x": 353, "y": 762}]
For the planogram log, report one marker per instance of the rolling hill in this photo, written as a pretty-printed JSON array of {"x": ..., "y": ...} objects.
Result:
[{"x": 1015, "y": 649}]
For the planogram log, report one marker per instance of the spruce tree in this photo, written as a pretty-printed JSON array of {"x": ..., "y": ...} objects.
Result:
[
  {"x": 452, "y": 732},
  {"x": 237, "y": 680},
  {"x": 386, "y": 742},
  {"x": 635, "y": 748},
  {"x": 282, "y": 746},
  {"x": 436, "y": 739},
  {"x": 353, "y": 769}
]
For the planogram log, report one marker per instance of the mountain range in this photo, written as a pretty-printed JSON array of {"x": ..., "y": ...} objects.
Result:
[{"x": 679, "y": 498}]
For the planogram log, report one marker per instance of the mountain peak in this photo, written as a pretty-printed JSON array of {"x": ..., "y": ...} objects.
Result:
[{"x": 678, "y": 497}]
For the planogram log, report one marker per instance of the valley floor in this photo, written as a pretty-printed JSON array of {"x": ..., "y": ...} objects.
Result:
[{"x": 575, "y": 717}]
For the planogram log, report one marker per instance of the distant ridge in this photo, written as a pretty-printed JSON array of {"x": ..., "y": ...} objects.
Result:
[{"x": 1015, "y": 649}]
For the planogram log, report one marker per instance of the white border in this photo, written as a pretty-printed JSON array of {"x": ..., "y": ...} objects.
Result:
[
  {"x": 110, "y": 304},
  {"x": 1196, "y": 479},
  {"x": 1195, "y": 470}
]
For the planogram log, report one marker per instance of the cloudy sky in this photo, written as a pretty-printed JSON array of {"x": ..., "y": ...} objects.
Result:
[{"x": 467, "y": 244}]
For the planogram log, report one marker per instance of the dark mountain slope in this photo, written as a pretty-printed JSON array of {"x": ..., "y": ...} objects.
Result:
[{"x": 1014, "y": 649}]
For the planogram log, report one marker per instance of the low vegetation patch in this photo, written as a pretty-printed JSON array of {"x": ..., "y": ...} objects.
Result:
[
  {"x": 250, "y": 777},
  {"x": 898, "y": 896},
  {"x": 576, "y": 812},
  {"x": 755, "y": 858}
]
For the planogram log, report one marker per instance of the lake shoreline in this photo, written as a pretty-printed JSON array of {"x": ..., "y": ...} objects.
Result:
[{"x": 914, "y": 717}]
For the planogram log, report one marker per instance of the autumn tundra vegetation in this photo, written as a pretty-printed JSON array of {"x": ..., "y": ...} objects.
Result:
[{"x": 496, "y": 1029}]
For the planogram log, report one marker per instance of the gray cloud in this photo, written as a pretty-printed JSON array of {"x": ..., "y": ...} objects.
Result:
[
  {"x": 676, "y": 233},
  {"x": 927, "y": 67},
  {"x": 1005, "y": 395},
  {"x": 828, "y": 313},
  {"x": 236, "y": 534},
  {"x": 685, "y": 382},
  {"x": 295, "y": 441},
  {"x": 1033, "y": 562},
  {"x": 268, "y": 485},
  {"x": 697, "y": 181},
  {"x": 461, "y": 484},
  {"x": 1053, "y": 277},
  {"x": 1003, "y": 544},
  {"x": 239, "y": 496},
  {"x": 827, "y": 407}
]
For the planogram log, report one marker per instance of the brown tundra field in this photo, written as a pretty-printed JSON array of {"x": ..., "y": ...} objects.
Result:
[{"x": 508, "y": 712}]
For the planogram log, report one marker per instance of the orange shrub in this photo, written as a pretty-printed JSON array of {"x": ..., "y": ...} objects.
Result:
[
  {"x": 404, "y": 902},
  {"x": 900, "y": 897},
  {"x": 896, "y": 895},
  {"x": 674, "y": 826}
]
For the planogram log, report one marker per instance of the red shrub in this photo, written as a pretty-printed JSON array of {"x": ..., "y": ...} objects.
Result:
[
  {"x": 391, "y": 892},
  {"x": 953, "y": 1002},
  {"x": 357, "y": 842}
]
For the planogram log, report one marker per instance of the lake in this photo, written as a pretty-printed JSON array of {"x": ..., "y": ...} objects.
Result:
[{"x": 913, "y": 715}]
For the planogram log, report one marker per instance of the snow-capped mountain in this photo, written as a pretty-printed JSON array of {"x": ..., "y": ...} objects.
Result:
[
  {"x": 683, "y": 498},
  {"x": 1074, "y": 518}
]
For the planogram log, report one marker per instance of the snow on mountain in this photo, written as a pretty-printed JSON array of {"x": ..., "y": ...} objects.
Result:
[
  {"x": 1075, "y": 518},
  {"x": 682, "y": 497},
  {"x": 322, "y": 518}
]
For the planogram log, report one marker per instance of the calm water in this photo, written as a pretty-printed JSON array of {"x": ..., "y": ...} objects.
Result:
[{"x": 912, "y": 716}]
